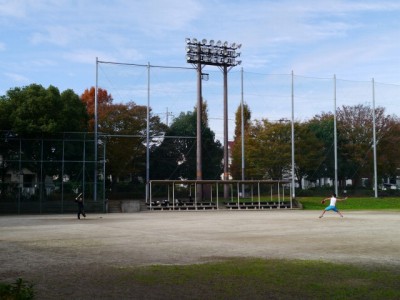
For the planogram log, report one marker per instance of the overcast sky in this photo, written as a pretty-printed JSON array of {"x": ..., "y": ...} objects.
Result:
[{"x": 57, "y": 41}]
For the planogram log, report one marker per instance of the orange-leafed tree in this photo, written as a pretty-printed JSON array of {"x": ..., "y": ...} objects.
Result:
[
  {"x": 123, "y": 130},
  {"x": 103, "y": 99}
]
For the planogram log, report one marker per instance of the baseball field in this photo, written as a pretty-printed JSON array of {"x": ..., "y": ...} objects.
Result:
[{"x": 130, "y": 256}]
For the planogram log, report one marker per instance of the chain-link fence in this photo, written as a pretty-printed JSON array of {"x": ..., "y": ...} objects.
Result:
[{"x": 45, "y": 173}]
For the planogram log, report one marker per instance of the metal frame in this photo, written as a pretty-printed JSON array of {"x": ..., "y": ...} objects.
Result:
[{"x": 217, "y": 183}]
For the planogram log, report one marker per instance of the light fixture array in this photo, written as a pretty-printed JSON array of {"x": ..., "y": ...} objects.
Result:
[{"x": 212, "y": 53}]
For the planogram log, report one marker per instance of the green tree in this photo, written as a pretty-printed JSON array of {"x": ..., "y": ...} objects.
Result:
[
  {"x": 388, "y": 155},
  {"x": 124, "y": 127},
  {"x": 236, "y": 166},
  {"x": 38, "y": 113},
  {"x": 355, "y": 126},
  {"x": 176, "y": 157},
  {"x": 269, "y": 150},
  {"x": 36, "y": 110},
  {"x": 309, "y": 152}
]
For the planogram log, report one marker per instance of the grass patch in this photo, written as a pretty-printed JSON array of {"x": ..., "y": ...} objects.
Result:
[
  {"x": 359, "y": 203},
  {"x": 268, "y": 279}
]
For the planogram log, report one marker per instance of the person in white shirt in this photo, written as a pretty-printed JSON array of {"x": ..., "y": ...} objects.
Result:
[{"x": 332, "y": 205}]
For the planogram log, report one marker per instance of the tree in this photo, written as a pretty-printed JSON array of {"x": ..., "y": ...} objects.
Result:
[
  {"x": 236, "y": 166},
  {"x": 103, "y": 99},
  {"x": 355, "y": 126},
  {"x": 125, "y": 128},
  {"x": 323, "y": 128},
  {"x": 176, "y": 157},
  {"x": 309, "y": 152},
  {"x": 388, "y": 151},
  {"x": 36, "y": 110},
  {"x": 269, "y": 150},
  {"x": 38, "y": 114}
]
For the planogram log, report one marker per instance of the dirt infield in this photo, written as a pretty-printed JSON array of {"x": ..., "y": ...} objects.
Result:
[{"x": 59, "y": 252}]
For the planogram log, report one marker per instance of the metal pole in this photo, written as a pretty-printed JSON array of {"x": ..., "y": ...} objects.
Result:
[
  {"x": 148, "y": 134},
  {"x": 279, "y": 196},
  {"x": 20, "y": 182},
  {"x": 95, "y": 133},
  {"x": 195, "y": 195},
  {"x": 173, "y": 195},
  {"x": 242, "y": 130},
  {"x": 335, "y": 134},
  {"x": 83, "y": 166},
  {"x": 199, "y": 170},
  {"x": 238, "y": 198},
  {"x": 104, "y": 174},
  {"x": 150, "y": 200},
  {"x": 293, "y": 179},
  {"x": 374, "y": 139},
  {"x": 41, "y": 177},
  {"x": 226, "y": 163},
  {"x": 62, "y": 174},
  {"x": 217, "y": 195}
]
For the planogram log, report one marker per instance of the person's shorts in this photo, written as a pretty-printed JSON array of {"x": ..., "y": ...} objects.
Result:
[{"x": 330, "y": 207}]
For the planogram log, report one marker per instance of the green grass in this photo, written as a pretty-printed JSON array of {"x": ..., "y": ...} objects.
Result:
[
  {"x": 268, "y": 279},
  {"x": 359, "y": 203}
]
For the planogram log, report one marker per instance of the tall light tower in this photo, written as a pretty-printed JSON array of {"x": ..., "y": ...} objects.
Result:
[{"x": 224, "y": 56}]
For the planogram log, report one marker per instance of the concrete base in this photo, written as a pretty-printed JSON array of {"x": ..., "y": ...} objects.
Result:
[{"x": 129, "y": 206}]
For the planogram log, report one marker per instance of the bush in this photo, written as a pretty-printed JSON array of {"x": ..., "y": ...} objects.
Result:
[{"x": 20, "y": 290}]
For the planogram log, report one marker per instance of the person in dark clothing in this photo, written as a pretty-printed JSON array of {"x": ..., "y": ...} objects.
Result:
[{"x": 81, "y": 207}]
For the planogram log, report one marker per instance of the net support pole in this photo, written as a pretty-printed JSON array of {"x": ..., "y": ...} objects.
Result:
[
  {"x": 96, "y": 100},
  {"x": 293, "y": 179},
  {"x": 242, "y": 129},
  {"x": 374, "y": 139},
  {"x": 148, "y": 134},
  {"x": 335, "y": 135}
]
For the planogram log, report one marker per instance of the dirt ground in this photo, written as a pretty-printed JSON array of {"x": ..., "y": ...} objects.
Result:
[{"x": 67, "y": 258}]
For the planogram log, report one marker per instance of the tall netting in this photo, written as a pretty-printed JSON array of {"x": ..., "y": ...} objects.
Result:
[
  {"x": 168, "y": 90},
  {"x": 388, "y": 96},
  {"x": 43, "y": 174}
]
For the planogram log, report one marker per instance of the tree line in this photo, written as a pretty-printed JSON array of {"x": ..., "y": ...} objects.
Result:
[
  {"x": 33, "y": 111},
  {"x": 37, "y": 112},
  {"x": 268, "y": 146}
]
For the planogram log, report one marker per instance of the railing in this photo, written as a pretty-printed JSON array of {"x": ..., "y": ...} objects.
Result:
[{"x": 214, "y": 196}]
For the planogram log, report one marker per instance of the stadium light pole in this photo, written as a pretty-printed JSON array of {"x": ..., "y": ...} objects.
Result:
[{"x": 224, "y": 56}]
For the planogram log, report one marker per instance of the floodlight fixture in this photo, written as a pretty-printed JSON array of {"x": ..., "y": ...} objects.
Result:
[{"x": 211, "y": 53}]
